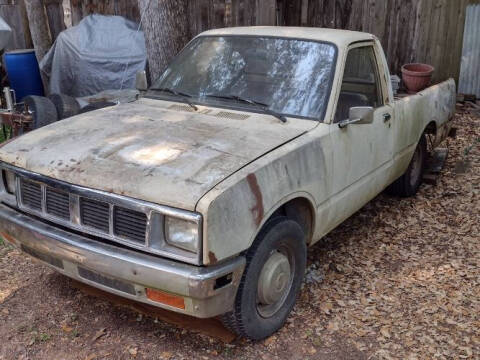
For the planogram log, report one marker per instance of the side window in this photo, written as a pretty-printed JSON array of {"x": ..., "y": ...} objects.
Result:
[{"x": 360, "y": 84}]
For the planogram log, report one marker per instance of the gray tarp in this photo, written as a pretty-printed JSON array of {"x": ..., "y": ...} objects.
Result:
[{"x": 92, "y": 56}]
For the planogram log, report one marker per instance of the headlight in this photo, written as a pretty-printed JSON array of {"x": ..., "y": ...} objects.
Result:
[
  {"x": 9, "y": 181},
  {"x": 182, "y": 233}
]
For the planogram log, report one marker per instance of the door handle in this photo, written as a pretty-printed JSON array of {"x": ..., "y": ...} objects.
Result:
[{"x": 387, "y": 117}]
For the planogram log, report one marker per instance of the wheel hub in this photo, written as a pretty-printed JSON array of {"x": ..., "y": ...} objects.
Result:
[{"x": 274, "y": 279}]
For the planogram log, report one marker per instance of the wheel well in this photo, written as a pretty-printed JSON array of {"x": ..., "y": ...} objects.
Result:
[
  {"x": 431, "y": 128},
  {"x": 300, "y": 210}
]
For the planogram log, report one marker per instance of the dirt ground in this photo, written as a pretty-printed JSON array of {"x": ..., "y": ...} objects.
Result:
[{"x": 400, "y": 279}]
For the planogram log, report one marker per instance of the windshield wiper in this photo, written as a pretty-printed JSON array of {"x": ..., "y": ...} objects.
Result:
[
  {"x": 259, "y": 105},
  {"x": 181, "y": 94}
]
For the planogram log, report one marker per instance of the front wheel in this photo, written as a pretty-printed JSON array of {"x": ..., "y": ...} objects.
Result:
[
  {"x": 409, "y": 183},
  {"x": 271, "y": 280}
]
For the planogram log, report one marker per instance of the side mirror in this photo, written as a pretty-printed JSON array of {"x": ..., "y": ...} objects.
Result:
[
  {"x": 141, "y": 82},
  {"x": 358, "y": 115}
]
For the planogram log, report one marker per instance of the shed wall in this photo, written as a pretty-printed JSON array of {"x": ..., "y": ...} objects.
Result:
[{"x": 470, "y": 68}]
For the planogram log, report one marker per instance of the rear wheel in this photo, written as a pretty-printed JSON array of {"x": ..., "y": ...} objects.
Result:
[
  {"x": 409, "y": 183},
  {"x": 271, "y": 281}
]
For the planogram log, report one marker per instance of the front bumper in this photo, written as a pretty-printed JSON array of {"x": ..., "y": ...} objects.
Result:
[{"x": 207, "y": 291}]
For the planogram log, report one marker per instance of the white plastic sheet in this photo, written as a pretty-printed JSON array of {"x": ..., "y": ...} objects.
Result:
[{"x": 100, "y": 53}]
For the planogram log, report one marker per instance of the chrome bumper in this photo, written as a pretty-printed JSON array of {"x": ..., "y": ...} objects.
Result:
[{"x": 207, "y": 291}]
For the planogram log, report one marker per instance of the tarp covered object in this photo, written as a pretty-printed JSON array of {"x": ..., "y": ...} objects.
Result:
[{"x": 92, "y": 56}]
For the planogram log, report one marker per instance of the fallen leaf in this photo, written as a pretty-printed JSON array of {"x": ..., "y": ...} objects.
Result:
[
  {"x": 269, "y": 341},
  {"x": 133, "y": 351},
  {"x": 384, "y": 331},
  {"x": 333, "y": 326},
  {"x": 99, "y": 334},
  {"x": 67, "y": 328}
]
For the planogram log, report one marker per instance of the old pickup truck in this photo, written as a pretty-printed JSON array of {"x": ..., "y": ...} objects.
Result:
[{"x": 203, "y": 195}]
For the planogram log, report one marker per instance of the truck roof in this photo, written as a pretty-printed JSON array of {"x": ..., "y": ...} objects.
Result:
[{"x": 341, "y": 38}]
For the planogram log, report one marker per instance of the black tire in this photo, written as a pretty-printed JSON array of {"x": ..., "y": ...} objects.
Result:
[
  {"x": 96, "y": 106},
  {"x": 43, "y": 110},
  {"x": 279, "y": 236},
  {"x": 66, "y": 106},
  {"x": 408, "y": 184}
]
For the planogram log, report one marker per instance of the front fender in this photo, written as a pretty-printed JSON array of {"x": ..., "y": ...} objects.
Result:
[{"x": 236, "y": 209}]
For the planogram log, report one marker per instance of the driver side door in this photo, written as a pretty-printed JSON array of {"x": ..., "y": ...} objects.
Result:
[{"x": 362, "y": 153}]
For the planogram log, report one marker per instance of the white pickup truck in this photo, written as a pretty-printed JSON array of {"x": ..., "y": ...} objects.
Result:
[{"x": 203, "y": 195}]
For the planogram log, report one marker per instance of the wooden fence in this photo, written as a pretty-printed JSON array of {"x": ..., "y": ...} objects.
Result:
[{"x": 428, "y": 31}]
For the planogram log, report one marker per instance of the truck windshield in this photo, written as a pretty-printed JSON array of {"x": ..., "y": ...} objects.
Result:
[{"x": 291, "y": 77}]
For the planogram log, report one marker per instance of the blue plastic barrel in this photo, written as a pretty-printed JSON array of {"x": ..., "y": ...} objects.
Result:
[{"x": 23, "y": 73}]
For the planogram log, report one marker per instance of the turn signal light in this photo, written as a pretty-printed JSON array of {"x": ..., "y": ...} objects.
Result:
[{"x": 166, "y": 298}]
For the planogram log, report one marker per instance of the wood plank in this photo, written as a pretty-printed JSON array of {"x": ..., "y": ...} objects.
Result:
[
  {"x": 379, "y": 26},
  {"x": 356, "y": 16},
  {"x": 422, "y": 30},
  {"x": 343, "y": 13},
  {"x": 433, "y": 31},
  {"x": 56, "y": 22},
  {"x": 458, "y": 43},
  {"x": 77, "y": 11},
  {"x": 443, "y": 61},
  {"x": 266, "y": 11},
  {"x": 438, "y": 54}
]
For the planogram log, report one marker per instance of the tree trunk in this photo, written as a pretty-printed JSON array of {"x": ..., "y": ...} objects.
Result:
[
  {"x": 26, "y": 26},
  {"x": 165, "y": 23},
  {"x": 39, "y": 29}
]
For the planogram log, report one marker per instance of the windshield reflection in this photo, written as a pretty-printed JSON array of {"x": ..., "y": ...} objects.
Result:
[{"x": 291, "y": 76}]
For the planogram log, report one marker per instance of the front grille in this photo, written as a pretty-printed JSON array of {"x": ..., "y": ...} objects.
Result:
[
  {"x": 108, "y": 218},
  {"x": 31, "y": 194},
  {"x": 130, "y": 224},
  {"x": 58, "y": 203},
  {"x": 95, "y": 214}
]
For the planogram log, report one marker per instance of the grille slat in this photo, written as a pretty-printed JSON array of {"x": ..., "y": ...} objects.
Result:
[
  {"x": 130, "y": 224},
  {"x": 95, "y": 214},
  {"x": 31, "y": 194},
  {"x": 58, "y": 203}
]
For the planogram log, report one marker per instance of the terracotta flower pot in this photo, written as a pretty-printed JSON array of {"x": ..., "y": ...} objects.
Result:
[{"x": 417, "y": 77}]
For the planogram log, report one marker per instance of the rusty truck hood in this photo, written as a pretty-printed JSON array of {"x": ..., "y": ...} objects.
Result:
[{"x": 151, "y": 150}]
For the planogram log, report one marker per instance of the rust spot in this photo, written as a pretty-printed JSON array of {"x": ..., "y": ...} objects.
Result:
[
  {"x": 212, "y": 258},
  {"x": 257, "y": 210}
]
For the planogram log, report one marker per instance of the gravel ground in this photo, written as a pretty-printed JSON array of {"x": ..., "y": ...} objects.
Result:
[{"x": 400, "y": 279}]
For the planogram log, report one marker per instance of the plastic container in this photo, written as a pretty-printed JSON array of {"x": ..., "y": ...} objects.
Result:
[
  {"x": 23, "y": 73},
  {"x": 417, "y": 77}
]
